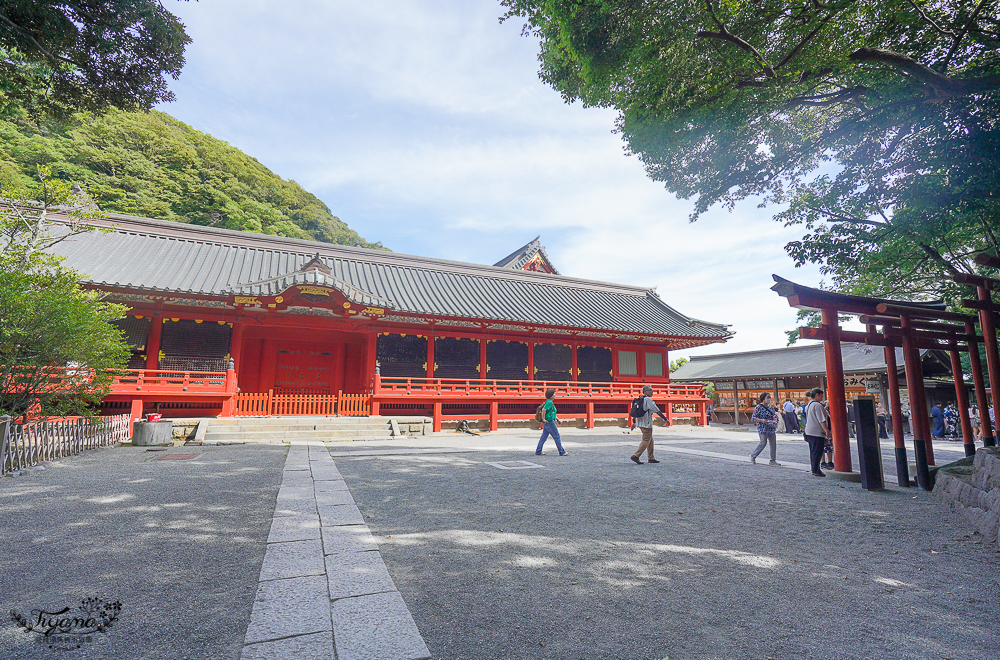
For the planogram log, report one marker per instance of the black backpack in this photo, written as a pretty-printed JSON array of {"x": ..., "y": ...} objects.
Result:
[{"x": 638, "y": 407}]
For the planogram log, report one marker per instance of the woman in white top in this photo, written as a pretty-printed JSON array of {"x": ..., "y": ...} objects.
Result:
[{"x": 817, "y": 430}]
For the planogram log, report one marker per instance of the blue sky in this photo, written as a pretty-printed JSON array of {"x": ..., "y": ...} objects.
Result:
[{"x": 423, "y": 124}]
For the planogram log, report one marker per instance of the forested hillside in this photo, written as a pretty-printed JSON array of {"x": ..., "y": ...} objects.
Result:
[{"x": 152, "y": 165}]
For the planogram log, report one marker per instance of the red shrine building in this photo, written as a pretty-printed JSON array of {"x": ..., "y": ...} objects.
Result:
[{"x": 230, "y": 323}]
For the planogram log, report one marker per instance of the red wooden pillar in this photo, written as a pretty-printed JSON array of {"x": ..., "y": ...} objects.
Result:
[
  {"x": 494, "y": 415},
  {"x": 484, "y": 368},
  {"x": 703, "y": 413},
  {"x": 990, "y": 341},
  {"x": 896, "y": 409},
  {"x": 531, "y": 360},
  {"x": 836, "y": 393},
  {"x": 989, "y": 439},
  {"x": 430, "y": 356},
  {"x": 962, "y": 398},
  {"x": 436, "y": 426},
  {"x": 153, "y": 343},
  {"x": 371, "y": 358},
  {"x": 590, "y": 414},
  {"x": 918, "y": 405},
  {"x": 575, "y": 369}
]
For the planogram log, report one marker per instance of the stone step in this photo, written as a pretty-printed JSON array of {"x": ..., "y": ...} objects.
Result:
[
  {"x": 278, "y": 441},
  {"x": 971, "y": 488},
  {"x": 298, "y": 427},
  {"x": 227, "y": 435}
]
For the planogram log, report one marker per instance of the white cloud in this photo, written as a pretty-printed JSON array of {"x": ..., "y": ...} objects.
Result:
[{"x": 423, "y": 125}]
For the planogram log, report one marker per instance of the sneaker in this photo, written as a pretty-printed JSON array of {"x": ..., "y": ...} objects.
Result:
[
  {"x": 774, "y": 463},
  {"x": 652, "y": 460},
  {"x": 539, "y": 453},
  {"x": 564, "y": 453},
  {"x": 635, "y": 459},
  {"x": 818, "y": 474},
  {"x": 753, "y": 460}
]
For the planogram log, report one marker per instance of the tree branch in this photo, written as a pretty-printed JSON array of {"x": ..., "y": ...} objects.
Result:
[
  {"x": 839, "y": 217},
  {"x": 40, "y": 47},
  {"x": 961, "y": 35},
  {"x": 931, "y": 20},
  {"x": 941, "y": 86},
  {"x": 725, "y": 35}
]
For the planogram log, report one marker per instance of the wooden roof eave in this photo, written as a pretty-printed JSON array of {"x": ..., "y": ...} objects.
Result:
[{"x": 804, "y": 297}]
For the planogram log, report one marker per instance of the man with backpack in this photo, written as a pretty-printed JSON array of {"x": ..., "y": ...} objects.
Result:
[
  {"x": 547, "y": 415},
  {"x": 642, "y": 411}
]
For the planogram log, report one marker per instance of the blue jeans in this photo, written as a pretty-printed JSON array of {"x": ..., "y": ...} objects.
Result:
[{"x": 550, "y": 428}]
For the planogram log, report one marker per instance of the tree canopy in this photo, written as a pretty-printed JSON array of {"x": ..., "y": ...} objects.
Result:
[
  {"x": 57, "y": 56},
  {"x": 874, "y": 122},
  {"x": 152, "y": 165},
  {"x": 58, "y": 351}
]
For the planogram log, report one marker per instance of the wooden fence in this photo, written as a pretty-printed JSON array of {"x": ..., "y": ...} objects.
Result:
[
  {"x": 269, "y": 404},
  {"x": 25, "y": 445}
]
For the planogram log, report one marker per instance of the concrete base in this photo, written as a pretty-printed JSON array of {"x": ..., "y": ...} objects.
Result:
[
  {"x": 845, "y": 476},
  {"x": 152, "y": 434}
]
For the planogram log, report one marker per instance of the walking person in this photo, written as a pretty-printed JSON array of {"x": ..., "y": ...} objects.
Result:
[
  {"x": 937, "y": 417},
  {"x": 817, "y": 430},
  {"x": 549, "y": 424},
  {"x": 645, "y": 424},
  {"x": 791, "y": 423},
  {"x": 766, "y": 419},
  {"x": 977, "y": 425}
]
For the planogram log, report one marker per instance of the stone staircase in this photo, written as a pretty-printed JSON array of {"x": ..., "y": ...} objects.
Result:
[
  {"x": 971, "y": 488},
  {"x": 277, "y": 430}
]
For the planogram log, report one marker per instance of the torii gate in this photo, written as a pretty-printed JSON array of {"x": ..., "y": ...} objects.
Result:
[{"x": 911, "y": 326}]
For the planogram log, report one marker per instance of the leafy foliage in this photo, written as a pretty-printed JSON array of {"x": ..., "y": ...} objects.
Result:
[
  {"x": 151, "y": 165},
  {"x": 678, "y": 363},
  {"x": 57, "y": 56},
  {"x": 58, "y": 352},
  {"x": 875, "y": 122}
]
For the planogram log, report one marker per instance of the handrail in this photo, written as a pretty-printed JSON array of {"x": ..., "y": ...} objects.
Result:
[{"x": 390, "y": 385}]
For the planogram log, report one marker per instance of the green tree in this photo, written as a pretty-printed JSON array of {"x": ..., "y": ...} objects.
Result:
[
  {"x": 678, "y": 363},
  {"x": 57, "y": 56},
  {"x": 874, "y": 122},
  {"x": 152, "y": 165},
  {"x": 58, "y": 351}
]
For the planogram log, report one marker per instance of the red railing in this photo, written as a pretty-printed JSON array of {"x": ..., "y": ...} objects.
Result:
[
  {"x": 531, "y": 389},
  {"x": 269, "y": 404},
  {"x": 190, "y": 383}
]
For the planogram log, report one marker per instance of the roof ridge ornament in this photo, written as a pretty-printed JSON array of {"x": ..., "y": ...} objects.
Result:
[{"x": 316, "y": 263}]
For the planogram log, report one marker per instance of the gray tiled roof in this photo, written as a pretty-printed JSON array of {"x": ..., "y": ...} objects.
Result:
[
  {"x": 158, "y": 255},
  {"x": 792, "y": 361}
]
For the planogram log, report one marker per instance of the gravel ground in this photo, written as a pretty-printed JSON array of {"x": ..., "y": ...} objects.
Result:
[
  {"x": 178, "y": 542},
  {"x": 695, "y": 558}
]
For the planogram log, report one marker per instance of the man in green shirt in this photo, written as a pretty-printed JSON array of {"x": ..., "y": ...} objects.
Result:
[{"x": 549, "y": 424}]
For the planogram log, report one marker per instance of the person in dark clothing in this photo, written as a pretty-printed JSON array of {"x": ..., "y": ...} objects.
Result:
[
  {"x": 791, "y": 421},
  {"x": 937, "y": 416},
  {"x": 817, "y": 430}
]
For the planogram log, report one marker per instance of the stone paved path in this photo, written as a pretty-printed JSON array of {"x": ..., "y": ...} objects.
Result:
[{"x": 324, "y": 591}]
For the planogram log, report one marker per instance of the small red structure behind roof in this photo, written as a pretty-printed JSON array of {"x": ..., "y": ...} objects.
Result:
[{"x": 530, "y": 257}]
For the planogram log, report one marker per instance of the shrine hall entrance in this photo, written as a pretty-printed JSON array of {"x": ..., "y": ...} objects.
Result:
[
  {"x": 307, "y": 369},
  {"x": 285, "y": 361}
]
